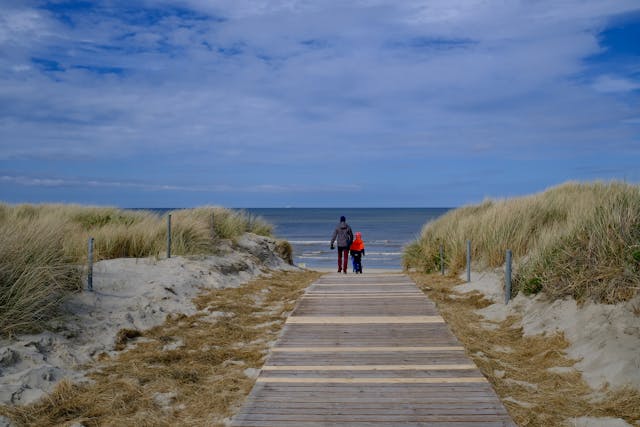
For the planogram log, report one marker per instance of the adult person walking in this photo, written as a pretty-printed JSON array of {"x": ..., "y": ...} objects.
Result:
[{"x": 344, "y": 236}]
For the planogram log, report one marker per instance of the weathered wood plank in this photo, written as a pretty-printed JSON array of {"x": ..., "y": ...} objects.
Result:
[
  {"x": 282, "y": 423},
  {"x": 380, "y": 418},
  {"x": 346, "y": 320},
  {"x": 377, "y": 380},
  {"x": 352, "y": 359},
  {"x": 365, "y": 367},
  {"x": 363, "y": 389},
  {"x": 366, "y": 349}
]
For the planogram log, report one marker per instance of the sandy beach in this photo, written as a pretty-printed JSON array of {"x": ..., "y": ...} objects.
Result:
[
  {"x": 128, "y": 293},
  {"x": 604, "y": 338}
]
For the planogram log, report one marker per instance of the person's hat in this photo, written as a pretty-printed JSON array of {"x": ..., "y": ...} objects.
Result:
[{"x": 343, "y": 219}]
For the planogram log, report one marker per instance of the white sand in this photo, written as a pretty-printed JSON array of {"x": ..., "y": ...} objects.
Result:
[
  {"x": 605, "y": 339},
  {"x": 128, "y": 293},
  {"x": 598, "y": 422}
]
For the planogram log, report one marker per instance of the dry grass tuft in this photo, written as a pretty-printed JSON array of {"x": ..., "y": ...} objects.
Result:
[
  {"x": 124, "y": 336},
  {"x": 188, "y": 371},
  {"x": 578, "y": 240},
  {"x": 285, "y": 251},
  {"x": 518, "y": 366}
]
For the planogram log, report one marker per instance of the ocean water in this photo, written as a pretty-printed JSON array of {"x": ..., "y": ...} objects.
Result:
[{"x": 385, "y": 231}]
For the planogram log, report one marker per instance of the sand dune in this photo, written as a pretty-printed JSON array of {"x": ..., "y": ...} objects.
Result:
[
  {"x": 604, "y": 338},
  {"x": 128, "y": 294}
]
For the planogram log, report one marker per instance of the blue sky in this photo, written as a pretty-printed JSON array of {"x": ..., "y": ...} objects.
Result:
[{"x": 271, "y": 103}]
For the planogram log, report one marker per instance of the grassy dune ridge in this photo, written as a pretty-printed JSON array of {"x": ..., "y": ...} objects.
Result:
[
  {"x": 576, "y": 239},
  {"x": 44, "y": 248}
]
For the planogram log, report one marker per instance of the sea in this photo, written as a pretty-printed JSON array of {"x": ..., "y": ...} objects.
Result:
[{"x": 385, "y": 232}]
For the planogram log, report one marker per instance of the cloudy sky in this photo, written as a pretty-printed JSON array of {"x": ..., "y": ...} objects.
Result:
[{"x": 270, "y": 103}]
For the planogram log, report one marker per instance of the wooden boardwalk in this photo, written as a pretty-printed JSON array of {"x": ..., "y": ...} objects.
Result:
[{"x": 369, "y": 350}]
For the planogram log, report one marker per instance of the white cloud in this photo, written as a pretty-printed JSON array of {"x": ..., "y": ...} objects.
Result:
[
  {"x": 17, "y": 25},
  {"x": 614, "y": 84},
  {"x": 21, "y": 68},
  {"x": 31, "y": 181}
]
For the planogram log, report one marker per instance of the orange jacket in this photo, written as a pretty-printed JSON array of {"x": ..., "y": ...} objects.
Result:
[{"x": 358, "y": 244}]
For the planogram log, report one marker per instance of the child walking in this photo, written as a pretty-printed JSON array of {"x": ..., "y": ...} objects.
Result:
[{"x": 357, "y": 252}]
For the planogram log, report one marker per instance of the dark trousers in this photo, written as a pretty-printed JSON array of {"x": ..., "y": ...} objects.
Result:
[
  {"x": 357, "y": 261},
  {"x": 343, "y": 258}
]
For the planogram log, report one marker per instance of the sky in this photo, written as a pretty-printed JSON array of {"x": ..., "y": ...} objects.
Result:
[{"x": 299, "y": 103}]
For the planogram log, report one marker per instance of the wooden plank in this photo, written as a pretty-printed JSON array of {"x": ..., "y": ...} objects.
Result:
[
  {"x": 358, "y": 286},
  {"x": 367, "y": 278},
  {"x": 372, "y": 407},
  {"x": 351, "y": 297},
  {"x": 363, "y": 335},
  {"x": 285, "y": 423},
  {"x": 447, "y": 410},
  {"x": 435, "y": 404},
  {"x": 337, "y": 320},
  {"x": 365, "y": 349},
  {"x": 364, "y": 292},
  {"x": 350, "y": 292},
  {"x": 390, "y": 389},
  {"x": 337, "y": 380},
  {"x": 375, "y": 417},
  {"x": 356, "y": 291},
  {"x": 356, "y": 359},
  {"x": 366, "y": 392},
  {"x": 379, "y": 309},
  {"x": 365, "y": 367},
  {"x": 375, "y": 374}
]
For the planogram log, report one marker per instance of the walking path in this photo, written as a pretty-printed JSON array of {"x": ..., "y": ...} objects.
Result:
[{"x": 369, "y": 350}]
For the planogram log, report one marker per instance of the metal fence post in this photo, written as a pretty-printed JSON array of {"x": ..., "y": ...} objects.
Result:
[
  {"x": 169, "y": 236},
  {"x": 442, "y": 259},
  {"x": 468, "y": 261},
  {"x": 507, "y": 279},
  {"x": 90, "y": 262},
  {"x": 213, "y": 225}
]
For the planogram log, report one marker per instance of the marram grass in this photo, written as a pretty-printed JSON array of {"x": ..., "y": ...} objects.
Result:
[
  {"x": 576, "y": 239},
  {"x": 44, "y": 248}
]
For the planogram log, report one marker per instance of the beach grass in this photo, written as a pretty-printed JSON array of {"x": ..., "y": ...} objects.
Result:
[
  {"x": 204, "y": 376},
  {"x": 35, "y": 275},
  {"x": 43, "y": 249},
  {"x": 531, "y": 374},
  {"x": 577, "y": 239}
]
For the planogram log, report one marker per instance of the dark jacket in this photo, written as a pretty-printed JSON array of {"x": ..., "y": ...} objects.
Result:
[{"x": 343, "y": 235}]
